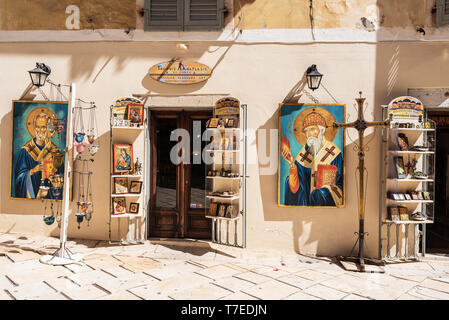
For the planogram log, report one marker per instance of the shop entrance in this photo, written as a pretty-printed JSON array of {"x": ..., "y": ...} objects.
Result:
[
  {"x": 177, "y": 204},
  {"x": 438, "y": 232}
]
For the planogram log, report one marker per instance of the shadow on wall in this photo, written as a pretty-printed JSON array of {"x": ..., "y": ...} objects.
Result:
[{"x": 88, "y": 60}]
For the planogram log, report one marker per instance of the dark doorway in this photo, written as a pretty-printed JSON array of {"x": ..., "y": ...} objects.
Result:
[
  {"x": 437, "y": 240},
  {"x": 178, "y": 204}
]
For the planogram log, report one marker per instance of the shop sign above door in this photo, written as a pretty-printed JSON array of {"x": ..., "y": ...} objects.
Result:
[{"x": 180, "y": 72}]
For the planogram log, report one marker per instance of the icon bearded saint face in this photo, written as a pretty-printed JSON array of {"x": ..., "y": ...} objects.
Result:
[{"x": 312, "y": 126}]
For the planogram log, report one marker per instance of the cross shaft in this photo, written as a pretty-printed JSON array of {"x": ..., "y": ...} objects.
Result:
[{"x": 361, "y": 125}]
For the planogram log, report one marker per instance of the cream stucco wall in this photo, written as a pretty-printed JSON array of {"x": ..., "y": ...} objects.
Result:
[{"x": 260, "y": 75}]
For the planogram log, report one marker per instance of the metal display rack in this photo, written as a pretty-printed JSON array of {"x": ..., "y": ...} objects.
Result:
[
  {"x": 238, "y": 163},
  {"x": 391, "y": 182},
  {"x": 134, "y": 136}
]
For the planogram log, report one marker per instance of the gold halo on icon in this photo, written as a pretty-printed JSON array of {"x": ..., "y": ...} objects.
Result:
[
  {"x": 33, "y": 114},
  {"x": 330, "y": 132}
]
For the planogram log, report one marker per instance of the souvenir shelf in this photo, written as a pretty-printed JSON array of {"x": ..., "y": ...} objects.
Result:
[
  {"x": 129, "y": 227},
  {"x": 407, "y": 188},
  {"x": 226, "y": 180}
]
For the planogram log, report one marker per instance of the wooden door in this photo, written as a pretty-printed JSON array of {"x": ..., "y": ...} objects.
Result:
[{"x": 177, "y": 199}]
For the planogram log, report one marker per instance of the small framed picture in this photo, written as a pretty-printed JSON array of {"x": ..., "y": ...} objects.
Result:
[
  {"x": 395, "y": 196},
  {"x": 222, "y": 210},
  {"x": 119, "y": 205},
  {"x": 231, "y": 211},
  {"x": 213, "y": 209},
  {"x": 403, "y": 214},
  {"x": 134, "y": 207},
  {"x": 119, "y": 112},
  {"x": 120, "y": 185},
  {"x": 135, "y": 113},
  {"x": 401, "y": 196},
  {"x": 414, "y": 195},
  {"x": 400, "y": 169},
  {"x": 222, "y": 123},
  {"x": 213, "y": 123},
  {"x": 394, "y": 213},
  {"x": 135, "y": 187},
  {"x": 420, "y": 195},
  {"x": 402, "y": 142},
  {"x": 408, "y": 196},
  {"x": 427, "y": 195},
  {"x": 123, "y": 158},
  {"x": 232, "y": 123}
]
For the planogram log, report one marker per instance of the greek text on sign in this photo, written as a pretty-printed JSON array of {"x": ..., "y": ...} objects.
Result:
[{"x": 180, "y": 72}]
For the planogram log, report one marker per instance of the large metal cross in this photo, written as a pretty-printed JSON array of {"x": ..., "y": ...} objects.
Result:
[{"x": 360, "y": 125}]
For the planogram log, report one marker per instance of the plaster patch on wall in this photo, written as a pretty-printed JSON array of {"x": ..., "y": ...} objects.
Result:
[{"x": 336, "y": 6}]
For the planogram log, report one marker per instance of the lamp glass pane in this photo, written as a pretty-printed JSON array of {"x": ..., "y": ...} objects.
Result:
[
  {"x": 42, "y": 78},
  {"x": 34, "y": 78}
]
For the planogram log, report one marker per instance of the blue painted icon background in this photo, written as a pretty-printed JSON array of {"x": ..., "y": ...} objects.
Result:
[
  {"x": 20, "y": 134},
  {"x": 288, "y": 116}
]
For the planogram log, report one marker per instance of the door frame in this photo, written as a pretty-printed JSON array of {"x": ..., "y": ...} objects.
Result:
[{"x": 183, "y": 175}]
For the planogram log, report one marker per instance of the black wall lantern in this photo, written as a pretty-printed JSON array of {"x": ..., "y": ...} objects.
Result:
[
  {"x": 313, "y": 77},
  {"x": 39, "y": 74}
]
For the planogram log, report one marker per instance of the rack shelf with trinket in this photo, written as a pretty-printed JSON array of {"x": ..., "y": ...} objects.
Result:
[
  {"x": 226, "y": 174},
  {"x": 130, "y": 227},
  {"x": 405, "y": 174}
]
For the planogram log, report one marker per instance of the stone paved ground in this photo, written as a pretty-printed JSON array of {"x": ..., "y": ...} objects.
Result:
[{"x": 199, "y": 270}]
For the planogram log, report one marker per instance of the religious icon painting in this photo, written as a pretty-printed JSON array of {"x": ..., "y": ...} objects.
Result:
[
  {"x": 213, "y": 123},
  {"x": 120, "y": 185},
  {"x": 135, "y": 187},
  {"x": 38, "y": 142},
  {"x": 400, "y": 168},
  {"x": 311, "y": 156},
  {"x": 134, "y": 207},
  {"x": 123, "y": 158},
  {"x": 135, "y": 113},
  {"x": 119, "y": 205}
]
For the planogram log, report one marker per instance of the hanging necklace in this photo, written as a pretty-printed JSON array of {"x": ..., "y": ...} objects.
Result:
[
  {"x": 93, "y": 131},
  {"x": 50, "y": 219},
  {"x": 89, "y": 199},
  {"x": 81, "y": 204}
]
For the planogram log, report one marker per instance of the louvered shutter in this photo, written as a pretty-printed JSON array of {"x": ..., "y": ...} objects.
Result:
[
  {"x": 163, "y": 15},
  {"x": 442, "y": 12},
  {"x": 204, "y": 14}
]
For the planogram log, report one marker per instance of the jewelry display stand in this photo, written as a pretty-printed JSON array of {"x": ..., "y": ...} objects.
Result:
[
  {"x": 226, "y": 180},
  {"x": 407, "y": 190},
  {"x": 133, "y": 223},
  {"x": 64, "y": 256}
]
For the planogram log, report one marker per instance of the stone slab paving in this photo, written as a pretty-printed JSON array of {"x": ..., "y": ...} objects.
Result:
[
  {"x": 300, "y": 295},
  {"x": 217, "y": 272},
  {"x": 239, "y": 296},
  {"x": 158, "y": 270},
  {"x": 271, "y": 290},
  {"x": 252, "y": 277},
  {"x": 325, "y": 293},
  {"x": 203, "y": 292},
  {"x": 233, "y": 284}
]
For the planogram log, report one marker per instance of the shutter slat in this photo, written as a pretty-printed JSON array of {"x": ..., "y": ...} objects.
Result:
[
  {"x": 204, "y": 15},
  {"x": 164, "y": 15}
]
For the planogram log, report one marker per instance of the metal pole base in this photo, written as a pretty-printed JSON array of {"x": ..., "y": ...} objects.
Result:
[
  {"x": 62, "y": 257},
  {"x": 359, "y": 265}
]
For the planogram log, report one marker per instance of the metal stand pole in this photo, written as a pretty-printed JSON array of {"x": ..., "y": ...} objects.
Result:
[{"x": 63, "y": 255}]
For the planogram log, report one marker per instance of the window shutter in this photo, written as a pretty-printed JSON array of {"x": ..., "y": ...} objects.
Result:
[
  {"x": 442, "y": 12},
  {"x": 163, "y": 15},
  {"x": 204, "y": 15}
]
